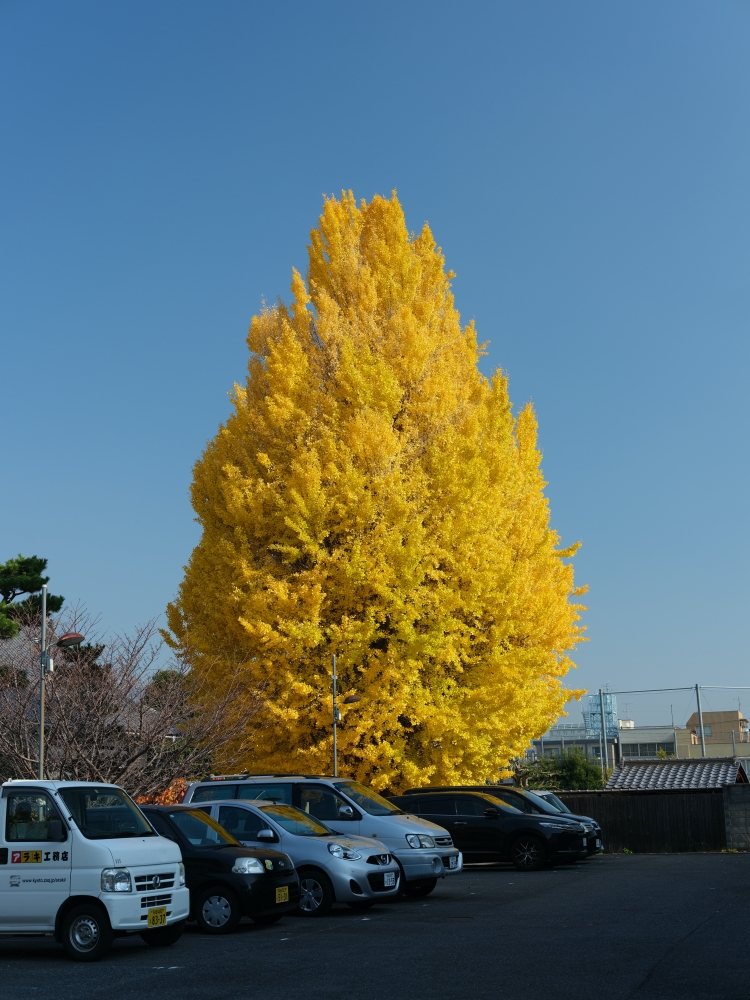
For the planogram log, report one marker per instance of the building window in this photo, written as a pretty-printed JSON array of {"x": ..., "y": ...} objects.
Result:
[{"x": 647, "y": 749}]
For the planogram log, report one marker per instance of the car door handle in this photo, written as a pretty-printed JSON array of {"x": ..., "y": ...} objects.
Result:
[{"x": 461, "y": 823}]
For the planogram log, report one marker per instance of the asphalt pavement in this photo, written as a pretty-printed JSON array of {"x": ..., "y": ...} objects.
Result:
[{"x": 647, "y": 927}]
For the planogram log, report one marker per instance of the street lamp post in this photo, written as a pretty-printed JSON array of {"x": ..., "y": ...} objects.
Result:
[{"x": 46, "y": 667}]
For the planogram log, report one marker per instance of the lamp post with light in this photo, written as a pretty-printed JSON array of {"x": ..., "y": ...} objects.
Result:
[
  {"x": 47, "y": 666},
  {"x": 349, "y": 700}
]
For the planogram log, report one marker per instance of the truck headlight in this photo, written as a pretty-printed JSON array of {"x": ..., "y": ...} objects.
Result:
[
  {"x": 116, "y": 880},
  {"x": 417, "y": 840},
  {"x": 181, "y": 872},
  {"x": 247, "y": 866},
  {"x": 340, "y": 851}
]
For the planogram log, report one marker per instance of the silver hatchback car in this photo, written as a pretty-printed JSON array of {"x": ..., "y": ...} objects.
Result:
[{"x": 332, "y": 867}]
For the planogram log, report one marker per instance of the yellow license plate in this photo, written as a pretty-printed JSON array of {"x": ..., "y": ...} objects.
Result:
[
  {"x": 157, "y": 916},
  {"x": 282, "y": 894}
]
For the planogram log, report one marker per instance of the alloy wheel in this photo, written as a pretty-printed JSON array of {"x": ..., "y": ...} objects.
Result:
[
  {"x": 312, "y": 895},
  {"x": 527, "y": 854}
]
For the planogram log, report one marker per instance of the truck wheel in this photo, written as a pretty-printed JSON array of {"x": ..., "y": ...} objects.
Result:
[
  {"x": 217, "y": 911},
  {"x": 86, "y": 933},
  {"x": 420, "y": 887},
  {"x": 162, "y": 937},
  {"x": 316, "y": 893},
  {"x": 528, "y": 854}
]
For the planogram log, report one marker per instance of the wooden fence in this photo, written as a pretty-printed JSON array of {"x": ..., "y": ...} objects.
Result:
[{"x": 658, "y": 822}]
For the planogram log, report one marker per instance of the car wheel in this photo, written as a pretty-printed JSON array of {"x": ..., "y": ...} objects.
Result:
[
  {"x": 86, "y": 933},
  {"x": 316, "y": 893},
  {"x": 420, "y": 887},
  {"x": 217, "y": 911},
  {"x": 362, "y": 904},
  {"x": 528, "y": 854},
  {"x": 268, "y": 918},
  {"x": 163, "y": 937}
]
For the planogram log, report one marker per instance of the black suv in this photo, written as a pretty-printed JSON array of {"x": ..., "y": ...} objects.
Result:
[
  {"x": 486, "y": 829},
  {"x": 226, "y": 880},
  {"x": 528, "y": 802}
]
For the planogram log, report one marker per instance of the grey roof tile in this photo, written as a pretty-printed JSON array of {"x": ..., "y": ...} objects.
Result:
[{"x": 676, "y": 774}]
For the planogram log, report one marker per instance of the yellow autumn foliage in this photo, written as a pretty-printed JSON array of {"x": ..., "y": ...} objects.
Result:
[{"x": 373, "y": 496}]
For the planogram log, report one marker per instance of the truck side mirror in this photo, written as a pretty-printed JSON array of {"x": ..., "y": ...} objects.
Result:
[
  {"x": 491, "y": 813},
  {"x": 56, "y": 831},
  {"x": 265, "y": 835},
  {"x": 346, "y": 812}
]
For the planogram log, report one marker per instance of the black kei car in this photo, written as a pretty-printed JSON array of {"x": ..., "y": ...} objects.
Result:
[
  {"x": 530, "y": 802},
  {"x": 226, "y": 880},
  {"x": 486, "y": 829}
]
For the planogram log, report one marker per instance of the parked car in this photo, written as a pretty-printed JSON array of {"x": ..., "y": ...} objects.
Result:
[
  {"x": 226, "y": 880},
  {"x": 486, "y": 829},
  {"x": 529, "y": 802},
  {"x": 81, "y": 862},
  {"x": 424, "y": 852},
  {"x": 354, "y": 870},
  {"x": 593, "y": 830}
]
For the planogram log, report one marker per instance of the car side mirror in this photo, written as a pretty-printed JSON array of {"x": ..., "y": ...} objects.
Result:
[
  {"x": 56, "y": 831},
  {"x": 491, "y": 813},
  {"x": 265, "y": 835},
  {"x": 346, "y": 812}
]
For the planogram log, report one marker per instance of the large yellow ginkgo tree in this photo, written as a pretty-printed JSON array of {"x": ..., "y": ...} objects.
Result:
[{"x": 373, "y": 496}]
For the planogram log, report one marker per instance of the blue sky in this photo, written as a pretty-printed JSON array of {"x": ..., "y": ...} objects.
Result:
[{"x": 585, "y": 168}]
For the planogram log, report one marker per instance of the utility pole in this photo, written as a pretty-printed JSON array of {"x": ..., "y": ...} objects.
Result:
[
  {"x": 336, "y": 717},
  {"x": 700, "y": 720},
  {"x": 42, "y": 672},
  {"x": 603, "y": 735}
]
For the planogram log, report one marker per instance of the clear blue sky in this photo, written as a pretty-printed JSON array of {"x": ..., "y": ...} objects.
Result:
[{"x": 585, "y": 167}]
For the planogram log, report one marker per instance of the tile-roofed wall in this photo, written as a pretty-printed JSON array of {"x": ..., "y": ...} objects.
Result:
[{"x": 667, "y": 774}]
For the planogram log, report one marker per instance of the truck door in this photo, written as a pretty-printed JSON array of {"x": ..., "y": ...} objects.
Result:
[{"x": 36, "y": 879}]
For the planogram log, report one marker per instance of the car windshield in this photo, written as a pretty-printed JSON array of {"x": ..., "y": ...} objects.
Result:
[
  {"x": 103, "y": 813},
  {"x": 545, "y": 806},
  {"x": 366, "y": 799},
  {"x": 202, "y": 831},
  {"x": 295, "y": 821},
  {"x": 553, "y": 800}
]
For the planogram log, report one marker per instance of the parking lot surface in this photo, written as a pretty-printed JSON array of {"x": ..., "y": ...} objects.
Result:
[{"x": 650, "y": 927}]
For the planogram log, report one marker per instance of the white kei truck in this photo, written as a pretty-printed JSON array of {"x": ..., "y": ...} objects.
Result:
[{"x": 80, "y": 861}]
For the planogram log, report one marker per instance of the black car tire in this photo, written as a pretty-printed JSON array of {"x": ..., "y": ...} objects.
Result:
[
  {"x": 528, "y": 854},
  {"x": 316, "y": 893},
  {"x": 420, "y": 887},
  {"x": 86, "y": 933},
  {"x": 163, "y": 937},
  {"x": 362, "y": 904},
  {"x": 217, "y": 910},
  {"x": 268, "y": 918}
]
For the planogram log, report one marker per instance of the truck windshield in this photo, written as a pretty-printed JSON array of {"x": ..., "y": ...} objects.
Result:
[
  {"x": 105, "y": 813},
  {"x": 295, "y": 821},
  {"x": 366, "y": 799}
]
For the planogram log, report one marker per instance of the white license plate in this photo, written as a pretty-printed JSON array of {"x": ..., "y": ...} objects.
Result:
[
  {"x": 585, "y": 842},
  {"x": 598, "y": 843},
  {"x": 389, "y": 879},
  {"x": 453, "y": 862}
]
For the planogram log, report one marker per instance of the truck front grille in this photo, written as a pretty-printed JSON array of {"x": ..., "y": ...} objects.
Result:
[{"x": 161, "y": 880}]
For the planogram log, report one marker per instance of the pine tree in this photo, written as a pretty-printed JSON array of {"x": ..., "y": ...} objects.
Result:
[
  {"x": 372, "y": 496},
  {"x": 19, "y": 576}
]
